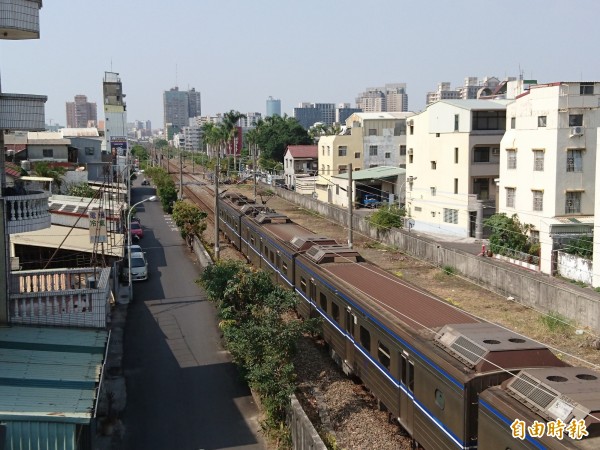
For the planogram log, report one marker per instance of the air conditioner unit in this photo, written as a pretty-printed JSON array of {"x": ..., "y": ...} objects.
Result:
[
  {"x": 576, "y": 131},
  {"x": 495, "y": 151},
  {"x": 409, "y": 151}
]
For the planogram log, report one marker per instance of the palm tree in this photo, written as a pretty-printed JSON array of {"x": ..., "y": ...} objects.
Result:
[
  {"x": 44, "y": 169},
  {"x": 230, "y": 120}
]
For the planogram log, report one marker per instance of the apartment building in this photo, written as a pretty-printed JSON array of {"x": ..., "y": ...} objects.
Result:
[
  {"x": 390, "y": 98},
  {"x": 369, "y": 140},
  {"x": 548, "y": 162},
  {"x": 299, "y": 160},
  {"x": 453, "y": 151}
]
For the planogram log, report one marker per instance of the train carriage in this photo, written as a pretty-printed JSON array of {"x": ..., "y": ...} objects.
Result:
[{"x": 543, "y": 396}]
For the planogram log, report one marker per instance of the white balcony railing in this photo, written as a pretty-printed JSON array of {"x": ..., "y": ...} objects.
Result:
[
  {"x": 27, "y": 212},
  {"x": 60, "y": 297}
]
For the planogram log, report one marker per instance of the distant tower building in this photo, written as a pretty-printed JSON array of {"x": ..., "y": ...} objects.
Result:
[
  {"x": 81, "y": 113},
  {"x": 273, "y": 107},
  {"x": 179, "y": 107},
  {"x": 307, "y": 114},
  {"x": 149, "y": 126},
  {"x": 195, "y": 103},
  {"x": 343, "y": 111},
  {"x": 390, "y": 98}
]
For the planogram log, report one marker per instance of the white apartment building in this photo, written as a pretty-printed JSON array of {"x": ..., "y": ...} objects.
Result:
[
  {"x": 548, "y": 162},
  {"x": 369, "y": 140},
  {"x": 299, "y": 160},
  {"x": 453, "y": 149}
]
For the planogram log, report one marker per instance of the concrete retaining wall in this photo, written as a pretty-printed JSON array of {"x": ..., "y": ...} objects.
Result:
[
  {"x": 529, "y": 288},
  {"x": 304, "y": 435}
]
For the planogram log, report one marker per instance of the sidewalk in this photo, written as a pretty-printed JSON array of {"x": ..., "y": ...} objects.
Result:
[{"x": 108, "y": 428}]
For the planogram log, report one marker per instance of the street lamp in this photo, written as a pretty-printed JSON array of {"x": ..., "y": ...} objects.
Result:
[{"x": 151, "y": 199}]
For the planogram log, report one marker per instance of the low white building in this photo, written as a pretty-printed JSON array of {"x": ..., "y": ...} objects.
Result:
[{"x": 299, "y": 160}]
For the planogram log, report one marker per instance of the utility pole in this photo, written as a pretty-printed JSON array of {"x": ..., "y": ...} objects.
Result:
[
  {"x": 180, "y": 177},
  {"x": 217, "y": 209},
  {"x": 350, "y": 205},
  {"x": 254, "y": 170}
]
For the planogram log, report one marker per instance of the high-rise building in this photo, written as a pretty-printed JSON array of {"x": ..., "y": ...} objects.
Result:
[
  {"x": 273, "y": 107},
  {"x": 81, "y": 113},
  {"x": 390, "y": 98},
  {"x": 179, "y": 107},
  {"x": 307, "y": 114},
  {"x": 343, "y": 111},
  {"x": 115, "y": 113}
]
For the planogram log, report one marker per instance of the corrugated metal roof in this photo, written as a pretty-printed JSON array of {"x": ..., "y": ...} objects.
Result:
[
  {"x": 374, "y": 172},
  {"x": 29, "y": 435},
  {"x": 50, "y": 374}
]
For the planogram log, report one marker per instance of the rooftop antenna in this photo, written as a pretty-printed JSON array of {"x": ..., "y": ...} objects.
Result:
[
  {"x": 111, "y": 69},
  {"x": 176, "y": 75}
]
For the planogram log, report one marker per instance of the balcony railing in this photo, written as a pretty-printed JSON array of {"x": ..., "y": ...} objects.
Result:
[
  {"x": 28, "y": 212},
  {"x": 60, "y": 297}
]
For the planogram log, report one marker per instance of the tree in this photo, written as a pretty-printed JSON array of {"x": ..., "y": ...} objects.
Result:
[
  {"x": 161, "y": 143},
  {"x": 275, "y": 133},
  {"x": 44, "y": 169},
  {"x": 230, "y": 120},
  {"x": 386, "y": 217},
  {"x": 508, "y": 233},
  {"x": 81, "y": 190},
  {"x": 190, "y": 219}
]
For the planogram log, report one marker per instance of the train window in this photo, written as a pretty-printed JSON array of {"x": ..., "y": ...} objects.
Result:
[
  {"x": 251, "y": 241},
  {"x": 272, "y": 257},
  {"x": 335, "y": 312},
  {"x": 383, "y": 353},
  {"x": 411, "y": 376},
  {"x": 440, "y": 400},
  {"x": 303, "y": 284},
  {"x": 284, "y": 268},
  {"x": 365, "y": 338},
  {"x": 323, "y": 301}
]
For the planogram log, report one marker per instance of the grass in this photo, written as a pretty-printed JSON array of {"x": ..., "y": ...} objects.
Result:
[
  {"x": 555, "y": 322},
  {"x": 448, "y": 270}
]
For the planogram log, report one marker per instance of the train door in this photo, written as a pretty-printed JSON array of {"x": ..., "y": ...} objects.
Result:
[
  {"x": 278, "y": 267},
  {"x": 350, "y": 323},
  {"x": 312, "y": 294},
  {"x": 407, "y": 377}
]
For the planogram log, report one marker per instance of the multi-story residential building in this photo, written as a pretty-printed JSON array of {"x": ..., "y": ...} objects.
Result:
[
  {"x": 115, "y": 113},
  {"x": 192, "y": 138},
  {"x": 390, "y": 98},
  {"x": 453, "y": 151},
  {"x": 472, "y": 88},
  {"x": 250, "y": 120},
  {"x": 548, "y": 162},
  {"x": 81, "y": 113},
  {"x": 273, "y": 107},
  {"x": 370, "y": 140},
  {"x": 299, "y": 160},
  {"x": 307, "y": 114}
]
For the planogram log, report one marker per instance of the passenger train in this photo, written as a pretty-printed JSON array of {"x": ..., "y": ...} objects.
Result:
[{"x": 451, "y": 380}]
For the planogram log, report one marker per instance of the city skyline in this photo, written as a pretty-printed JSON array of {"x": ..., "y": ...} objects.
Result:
[{"x": 237, "y": 64}]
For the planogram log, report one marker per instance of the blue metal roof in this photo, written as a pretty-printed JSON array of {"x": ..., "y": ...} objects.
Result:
[{"x": 49, "y": 374}]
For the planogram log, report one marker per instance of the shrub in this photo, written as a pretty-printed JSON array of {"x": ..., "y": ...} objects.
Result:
[{"x": 387, "y": 217}]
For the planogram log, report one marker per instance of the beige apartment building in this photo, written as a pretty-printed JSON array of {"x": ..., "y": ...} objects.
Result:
[
  {"x": 453, "y": 158},
  {"x": 548, "y": 163},
  {"x": 368, "y": 140}
]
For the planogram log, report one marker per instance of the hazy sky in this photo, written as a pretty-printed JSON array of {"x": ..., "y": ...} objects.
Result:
[{"x": 237, "y": 53}]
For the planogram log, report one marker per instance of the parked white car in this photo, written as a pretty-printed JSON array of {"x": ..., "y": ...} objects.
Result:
[{"x": 139, "y": 267}]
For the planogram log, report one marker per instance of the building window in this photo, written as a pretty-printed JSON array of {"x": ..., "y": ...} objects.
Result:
[
  {"x": 538, "y": 200},
  {"x": 513, "y": 122},
  {"x": 510, "y": 197},
  {"x": 388, "y": 155},
  {"x": 48, "y": 152},
  {"x": 303, "y": 284},
  {"x": 365, "y": 338},
  {"x": 450, "y": 215},
  {"x": 410, "y": 159},
  {"x": 586, "y": 88},
  {"x": 541, "y": 121},
  {"x": 575, "y": 160},
  {"x": 372, "y": 150},
  {"x": 342, "y": 150},
  {"x": 328, "y": 150},
  {"x": 456, "y": 116},
  {"x": 284, "y": 268},
  {"x": 433, "y": 165},
  {"x": 403, "y": 150},
  {"x": 432, "y": 190},
  {"x": 437, "y": 134},
  {"x": 412, "y": 129},
  {"x": 383, "y": 354},
  {"x": 489, "y": 120},
  {"x": 573, "y": 203},
  {"x": 481, "y": 154},
  {"x": 455, "y": 155},
  {"x": 322, "y": 168},
  {"x": 575, "y": 120},
  {"x": 328, "y": 170},
  {"x": 538, "y": 160},
  {"x": 342, "y": 169},
  {"x": 322, "y": 150},
  {"x": 456, "y": 185},
  {"x": 440, "y": 400},
  {"x": 511, "y": 159},
  {"x": 534, "y": 236},
  {"x": 89, "y": 150},
  {"x": 372, "y": 132},
  {"x": 357, "y": 155}
]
